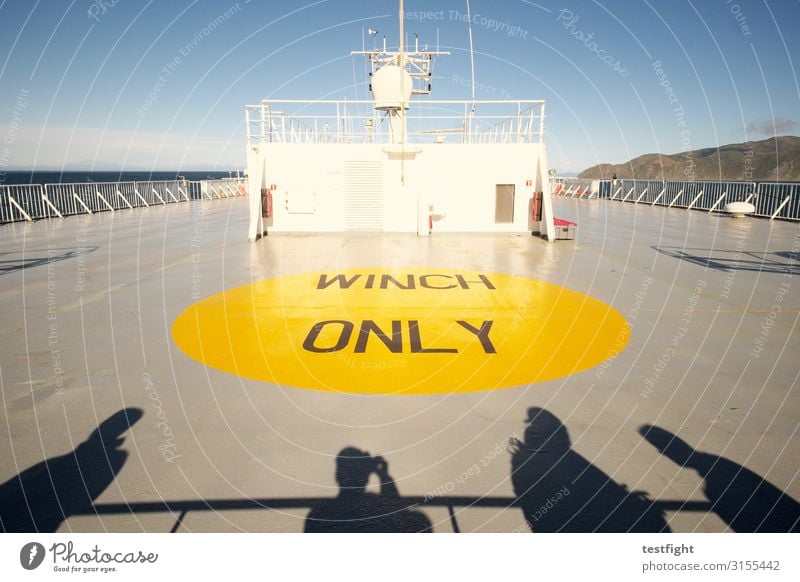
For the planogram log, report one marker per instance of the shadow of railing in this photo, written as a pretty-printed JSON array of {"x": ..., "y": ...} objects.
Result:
[
  {"x": 727, "y": 261},
  {"x": 182, "y": 508}
]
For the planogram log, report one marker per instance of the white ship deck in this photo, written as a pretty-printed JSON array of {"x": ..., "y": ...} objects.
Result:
[{"x": 88, "y": 303}]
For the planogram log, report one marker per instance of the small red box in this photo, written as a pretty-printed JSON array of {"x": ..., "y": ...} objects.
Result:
[{"x": 565, "y": 229}]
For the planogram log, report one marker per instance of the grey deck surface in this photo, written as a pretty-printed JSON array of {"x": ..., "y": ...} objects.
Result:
[{"x": 87, "y": 304}]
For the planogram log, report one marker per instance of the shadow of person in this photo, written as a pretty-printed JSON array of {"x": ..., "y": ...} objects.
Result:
[
  {"x": 741, "y": 498},
  {"x": 42, "y": 497},
  {"x": 561, "y": 491},
  {"x": 355, "y": 510}
]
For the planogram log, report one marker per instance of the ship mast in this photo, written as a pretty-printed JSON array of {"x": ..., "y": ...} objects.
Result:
[
  {"x": 397, "y": 76},
  {"x": 402, "y": 32},
  {"x": 401, "y": 61}
]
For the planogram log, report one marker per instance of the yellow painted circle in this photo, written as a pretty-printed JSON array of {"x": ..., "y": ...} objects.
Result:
[{"x": 401, "y": 331}]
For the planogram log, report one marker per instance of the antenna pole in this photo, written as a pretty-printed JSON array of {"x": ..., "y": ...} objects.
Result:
[
  {"x": 402, "y": 112},
  {"x": 402, "y": 32},
  {"x": 472, "y": 69},
  {"x": 471, "y": 54}
]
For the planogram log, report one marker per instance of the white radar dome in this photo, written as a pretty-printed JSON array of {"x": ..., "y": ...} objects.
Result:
[{"x": 391, "y": 88}]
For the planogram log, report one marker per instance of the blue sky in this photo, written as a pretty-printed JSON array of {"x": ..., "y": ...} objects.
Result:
[{"x": 125, "y": 84}]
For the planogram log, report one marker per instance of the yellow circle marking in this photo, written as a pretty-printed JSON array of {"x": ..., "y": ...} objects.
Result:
[{"x": 401, "y": 331}]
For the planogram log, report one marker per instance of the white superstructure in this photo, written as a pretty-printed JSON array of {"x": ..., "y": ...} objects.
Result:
[{"x": 397, "y": 165}]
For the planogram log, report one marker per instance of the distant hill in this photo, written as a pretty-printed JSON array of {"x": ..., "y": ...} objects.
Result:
[{"x": 773, "y": 159}]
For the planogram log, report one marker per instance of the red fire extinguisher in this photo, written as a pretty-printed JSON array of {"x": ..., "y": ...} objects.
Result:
[
  {"x": 266, "y": 203},
  {"x": 536, "y": 207}
]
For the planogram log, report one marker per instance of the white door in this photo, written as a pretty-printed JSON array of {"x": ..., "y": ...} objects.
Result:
[{"x": 363, "y": 196}]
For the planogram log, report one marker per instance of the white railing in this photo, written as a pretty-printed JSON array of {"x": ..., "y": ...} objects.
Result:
[
  {"x": 778, "y": 200},
  {"x": 357, "y": 122},
  {"x": 771, "y": 199},
  {"x": 23, "y": 201},
  {"x": 34, "y": 201},
  {"x": 574, "y": 187}
]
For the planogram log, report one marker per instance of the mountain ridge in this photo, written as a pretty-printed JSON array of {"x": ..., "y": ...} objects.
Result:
[{"x": 776, "y": 159}]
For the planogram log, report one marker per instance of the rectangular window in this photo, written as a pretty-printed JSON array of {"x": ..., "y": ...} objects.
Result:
[{"x": 504, "y": 204}]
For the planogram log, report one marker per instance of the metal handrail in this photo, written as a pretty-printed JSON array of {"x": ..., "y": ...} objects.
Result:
[
  {"x": 28, "y": 202},
  {"x": 771, "y": 199},
  {"x": 181, "y": 508}
]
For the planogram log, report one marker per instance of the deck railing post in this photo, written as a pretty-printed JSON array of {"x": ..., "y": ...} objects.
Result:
[
  {"x": 629, "y": 193},
  {"x": 101, "y": 197},
  {"x": 142, "y": 198},
  {"x": 154, "y": 191},
  {"x": 695, "y": 199},
  {"x": 125, "y": 200},
  {"x": 50, "y": 204},
  {"x": 780, "y": 207},
  {"x": 81, "y": 202},
  {"x": 19, "y": 208},
  {"x": 720, "y": 199}
]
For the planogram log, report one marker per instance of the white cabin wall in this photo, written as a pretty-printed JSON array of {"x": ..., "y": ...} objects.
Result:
[
  {"x": 255, "y": 176},
  {"x": 400, "y": 201},
  {"x": 312, "y": 171},
  {"x": 458, "y": 179},
  {"x": 461, "y": 180},
  {"x": 547, "y": 228}
]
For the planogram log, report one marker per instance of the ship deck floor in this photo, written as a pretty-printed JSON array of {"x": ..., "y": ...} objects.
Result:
[{"x": 88, "y": 304}]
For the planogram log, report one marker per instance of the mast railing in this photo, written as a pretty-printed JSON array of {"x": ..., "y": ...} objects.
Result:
[{"x": 356, "y": 122}]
